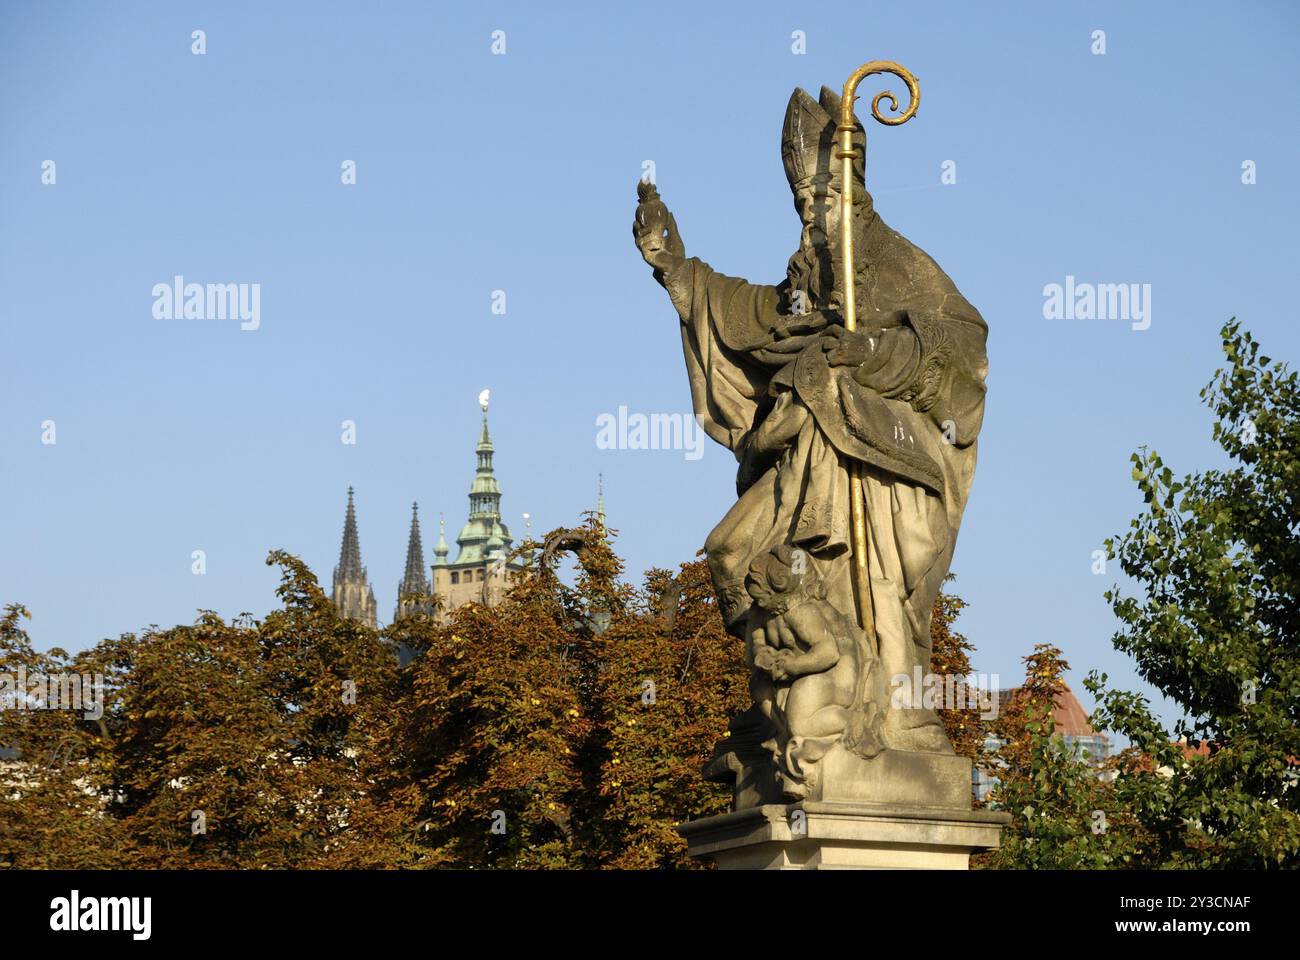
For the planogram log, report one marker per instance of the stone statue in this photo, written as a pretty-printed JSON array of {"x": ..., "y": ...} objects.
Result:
[{"x": 802, "y": 401}]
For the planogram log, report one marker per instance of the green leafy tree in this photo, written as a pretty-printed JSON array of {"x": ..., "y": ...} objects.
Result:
[{"x": 1216, "y": 628}]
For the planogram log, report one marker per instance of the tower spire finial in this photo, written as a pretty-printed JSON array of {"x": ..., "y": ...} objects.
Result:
[{"x": 484, "y": 396}]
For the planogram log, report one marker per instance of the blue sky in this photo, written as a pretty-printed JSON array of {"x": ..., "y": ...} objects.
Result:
[{"x": 478, "y": 172}]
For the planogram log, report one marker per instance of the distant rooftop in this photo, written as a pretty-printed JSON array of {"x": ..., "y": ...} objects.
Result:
[{"x": 1071, "y": 719}]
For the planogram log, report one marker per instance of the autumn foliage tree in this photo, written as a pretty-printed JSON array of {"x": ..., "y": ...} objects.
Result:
[
  {"x": 240, "y": 743},
  {"x": 51, "y": 804},
  {"x": 671, "y": 678},
  {"x": 966, "y": 726},
  {"x": 565, "y": 727},
  {"x": 487, "y": 738}
]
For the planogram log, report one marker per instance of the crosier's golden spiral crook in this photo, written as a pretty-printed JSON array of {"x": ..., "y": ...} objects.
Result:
[{"x": 869, "y": 69}]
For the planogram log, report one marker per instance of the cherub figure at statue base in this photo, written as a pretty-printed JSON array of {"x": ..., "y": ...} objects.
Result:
[{"x": 810, "y": 663}]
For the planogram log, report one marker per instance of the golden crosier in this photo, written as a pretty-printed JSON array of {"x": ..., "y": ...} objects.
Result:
[{"x": 847, "y": 154}]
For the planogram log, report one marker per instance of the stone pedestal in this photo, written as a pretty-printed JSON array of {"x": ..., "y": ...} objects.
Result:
[
  {"x": 897, "y": 810},
  {"x": 821, "y": 835}
]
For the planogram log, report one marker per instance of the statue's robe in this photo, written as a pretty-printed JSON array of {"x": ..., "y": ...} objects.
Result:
[{"x": 794, "y": 422}]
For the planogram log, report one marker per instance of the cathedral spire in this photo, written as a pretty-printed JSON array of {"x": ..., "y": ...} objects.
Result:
[
  {"x": 600, "y": 499},
  {"x": 352, "y": 593},
  {"x": 350, "y": 553},
  {"x": 414, "y": 580}
]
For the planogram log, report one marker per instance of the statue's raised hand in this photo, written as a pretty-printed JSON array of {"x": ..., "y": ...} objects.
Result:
[{"x": 655, "y": 230}]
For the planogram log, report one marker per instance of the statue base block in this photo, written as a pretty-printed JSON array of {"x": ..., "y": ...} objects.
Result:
[
  {"x": 894, "y": 777},
  {"x": 897, "y": 810},
  {"x": 837, "y": 835}
]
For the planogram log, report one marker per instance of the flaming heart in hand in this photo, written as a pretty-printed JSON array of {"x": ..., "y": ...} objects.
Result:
[{"x": 655, "y": 230}]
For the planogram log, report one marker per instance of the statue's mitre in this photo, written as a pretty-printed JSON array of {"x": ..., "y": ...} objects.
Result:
[{"x": 808, "y": 140}]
